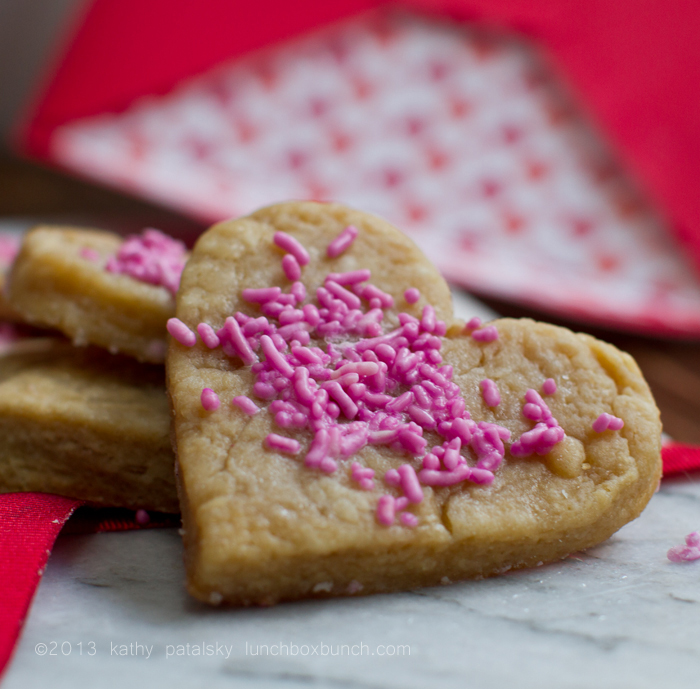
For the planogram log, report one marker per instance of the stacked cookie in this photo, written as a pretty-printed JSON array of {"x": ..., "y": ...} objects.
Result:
[
  {"x": 337, "y": 431},
  {"x": 88, "y": 417}
]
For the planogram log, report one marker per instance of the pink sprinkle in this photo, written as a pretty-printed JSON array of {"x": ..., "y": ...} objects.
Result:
[
  {"x": 452, "y": 459},
  {"x": 607, "y": 422},
  {"x": 430, "y": 477},
  {"x": 532, "y": 412},
  {"x": 287, "y": 299},
  {"x": 487, "y": 334},
  {"x": 339, "y": 292},
  {"x": 209, "y": 337},
  {"x": 231, "y": 334},
  {"x": 413, "y": 442},
  {"x": 210, "y": 400},
  {"x": 411, "y": 295},
  {"x": 410, "y": 484},
  {"x": 351, "y": 277},
  {"x": 473, "y": 323},
  {"x": 481, "y": 477},
  {"x": 246, "y": 405},
  {"x": 347, "y": 406},
  {"x": 342, "y": 242},
  {"x": 392, "y": 477},
  {"x": 422, "y": 417},
  {"x": 421, "y": 396},
  {"x": 272, "y": 309},
  {"x": 142, "y": 517},
  {"x": 299, "y": 291},
  {"x": 89, "y": 254},
  {"x": 264, "y": 391},
  {"x": 616, "y": 424},
  {"x": 292, "y": 246},
  {"x": 328, "y": 465},
  {"x": 291, "y": 267},
  {"x": 261, "y": 295},
  {"x": 601, "y": 423},
  {"x": 287, "y": 317},
  {"x": 319, "y": 449},
  {"x": 363, "y": 475},
  {"x": 279, "y": 442},
  {"x": 462, "y": 430},
  {"x": 430, "y": 461},
  {"x": 549, "y": 387},
  {"x": 687, "y": 553},
  {"x": 302, "y": 386},
  {"x": 428, "y": 322},
  {"x": 401, "y": 403},
  {"x": 386, "y": 510},
  {"x": 274, "y": 357},
  {"x": 181, "y": 332},
  {"x": 372, "y": 292},
  {"x": 409, "y": 519},
  {"x": 362, "y": 368},
  {"x": 489, "y": 390}
]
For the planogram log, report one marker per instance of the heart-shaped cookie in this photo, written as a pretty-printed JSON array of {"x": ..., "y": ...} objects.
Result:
[{"x": 338, "y": 432}]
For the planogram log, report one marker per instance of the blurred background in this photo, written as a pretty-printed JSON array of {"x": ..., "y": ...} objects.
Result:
[{"x": 527, "y": 147}]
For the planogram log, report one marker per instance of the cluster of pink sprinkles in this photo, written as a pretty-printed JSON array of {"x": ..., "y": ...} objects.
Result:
[
  {"x": 152, "y": 257},
  {"x": 546, "y": 433},
  {"x": 369, "y": 386},
  {"x": 688, "y": 552}
]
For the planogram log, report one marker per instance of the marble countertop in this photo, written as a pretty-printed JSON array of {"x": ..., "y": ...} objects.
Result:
[
  {"x": 618, "y": 615},
  {"x": 112, "y": 611}
]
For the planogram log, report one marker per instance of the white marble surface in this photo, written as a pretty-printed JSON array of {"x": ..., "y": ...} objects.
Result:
[{"x": 619, "y": 615}]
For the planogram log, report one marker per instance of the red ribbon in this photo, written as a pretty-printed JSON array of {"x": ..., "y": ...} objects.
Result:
[{"x": 29, "y": 524}]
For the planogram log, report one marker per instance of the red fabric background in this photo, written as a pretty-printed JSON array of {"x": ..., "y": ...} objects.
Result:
[{"x": 633, "y": 63}]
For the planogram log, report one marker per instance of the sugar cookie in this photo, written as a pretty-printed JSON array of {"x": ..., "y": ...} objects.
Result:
[
  {"x": 85, "y": 424},
  {"x": 97, "y": 288},
  {"x": 336, "y": 435}
]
